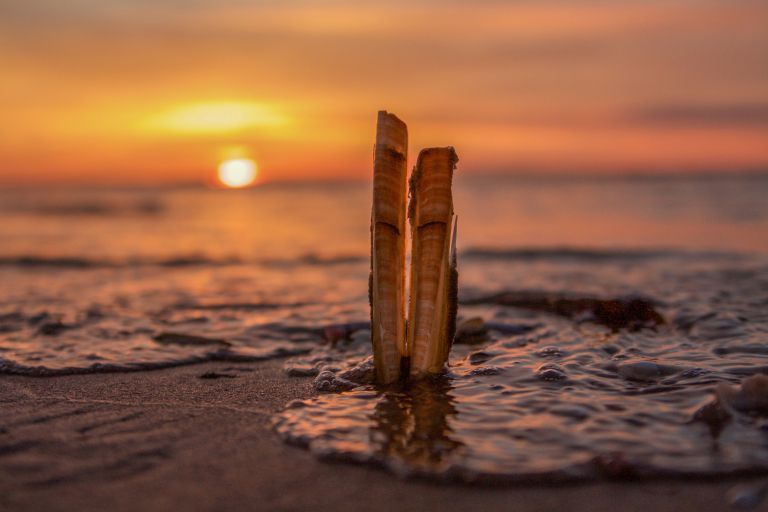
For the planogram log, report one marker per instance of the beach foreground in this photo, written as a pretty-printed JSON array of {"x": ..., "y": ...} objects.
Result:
[{"x": 199, "y": 438}]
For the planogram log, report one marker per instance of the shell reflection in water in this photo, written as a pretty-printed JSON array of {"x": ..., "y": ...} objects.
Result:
[
  {"x": 411, "y": 427},
  {"x": 407, "y": 429}
]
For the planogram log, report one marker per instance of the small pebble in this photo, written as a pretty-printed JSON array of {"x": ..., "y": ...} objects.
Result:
[
  {"x": 750, "y": 397},
  {"x": 551, "y": 372},
  {"x": 747, "y": 497},
  {"x": 479, "y": 357},
  {"x": 301, "y": 371},
  {"x": 644, "y": 371},
  {"x": 471, "y": 332},
  {"x": 215, "y": 375},
  {"x": 485, "y": 370},
  {"x": 550, "y": 351}
]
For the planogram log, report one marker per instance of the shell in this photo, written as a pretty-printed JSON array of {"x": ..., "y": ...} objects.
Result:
[
  {"x": 387, "y": 283},
  {"x": 750, "y": 397},
  {"x": 432, "y": 310}
]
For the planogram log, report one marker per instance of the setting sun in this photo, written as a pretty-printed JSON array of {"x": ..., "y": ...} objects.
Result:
[{"x": 237, "y": 172}]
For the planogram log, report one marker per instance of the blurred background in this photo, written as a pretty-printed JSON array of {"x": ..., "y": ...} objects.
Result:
[
  {"x": 145, "y": 92},
  {"x": 578, "y": 123}
]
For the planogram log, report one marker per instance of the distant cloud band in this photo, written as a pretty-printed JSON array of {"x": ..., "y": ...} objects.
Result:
[{"x": 747, "y": 114}]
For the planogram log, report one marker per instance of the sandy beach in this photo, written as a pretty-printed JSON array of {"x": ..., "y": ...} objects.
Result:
[{"x": 170, "y": 439}]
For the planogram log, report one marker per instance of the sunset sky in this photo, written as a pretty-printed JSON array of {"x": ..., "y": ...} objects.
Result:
[{"x": 160, "y": 91}]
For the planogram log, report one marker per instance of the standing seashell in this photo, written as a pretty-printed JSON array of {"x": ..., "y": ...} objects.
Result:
[
  {"x": 387, "y": 281},
  {"x": 434, "y": 279}
]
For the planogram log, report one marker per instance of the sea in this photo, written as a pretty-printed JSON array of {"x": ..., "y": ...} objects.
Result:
[{"x": 608, "y": 326}]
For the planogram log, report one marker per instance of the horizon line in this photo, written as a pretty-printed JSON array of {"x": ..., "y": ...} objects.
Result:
[{"x": 748, "y": 173}]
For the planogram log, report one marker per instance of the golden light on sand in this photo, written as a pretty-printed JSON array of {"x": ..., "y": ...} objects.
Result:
[{"x": 237, "y": 172}]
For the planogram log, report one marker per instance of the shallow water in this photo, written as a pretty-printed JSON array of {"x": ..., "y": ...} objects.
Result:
[
  {"x": 570, "y": 398},
  {"x": 136, "y": 280}
]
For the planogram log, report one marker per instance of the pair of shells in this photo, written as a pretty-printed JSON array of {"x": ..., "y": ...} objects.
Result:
[{"x": 425, "y": 340}]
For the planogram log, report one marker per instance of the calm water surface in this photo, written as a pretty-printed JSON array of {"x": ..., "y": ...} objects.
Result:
[{"x": 121, "y": 280}]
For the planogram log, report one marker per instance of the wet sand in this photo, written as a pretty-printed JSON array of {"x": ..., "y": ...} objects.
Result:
[{"x": 169, "y": 439}]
